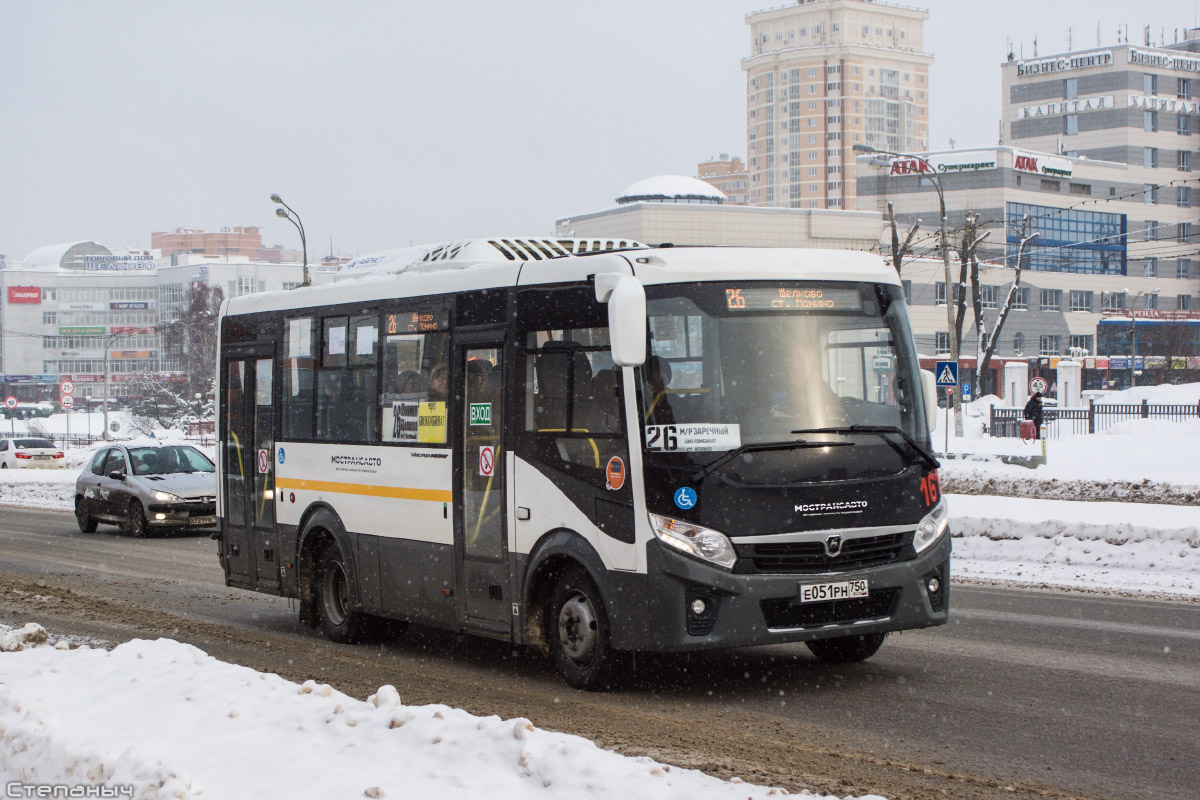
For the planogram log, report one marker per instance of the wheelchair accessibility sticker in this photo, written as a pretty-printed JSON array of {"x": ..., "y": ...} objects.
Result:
[{"x": 686, "y": 498}]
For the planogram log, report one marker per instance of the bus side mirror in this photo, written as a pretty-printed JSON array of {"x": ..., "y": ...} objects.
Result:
[
  {"x": 626, "y": 298},
  {"x": 929, "y": 390}
]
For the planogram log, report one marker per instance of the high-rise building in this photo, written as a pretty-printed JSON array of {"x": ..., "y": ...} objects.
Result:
[
  {"x": 728, "y": 175},
  {"x": 823, "y": 76}
]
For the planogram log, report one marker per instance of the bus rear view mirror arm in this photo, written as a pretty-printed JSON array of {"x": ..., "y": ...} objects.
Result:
[{"x": 626, "y": 298}]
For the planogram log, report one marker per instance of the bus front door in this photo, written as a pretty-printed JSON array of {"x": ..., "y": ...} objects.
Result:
[
  {"x": 480, "y": 521},
  {"x": 248, "y": 473}
]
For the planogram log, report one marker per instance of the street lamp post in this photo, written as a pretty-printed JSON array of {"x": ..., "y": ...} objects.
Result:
[
  {"x": 109, "y": 341},
  {"x": 1133, "y": 333},
  {"x": 291, "y": 216},
  {"x": 937, "y": 185}
]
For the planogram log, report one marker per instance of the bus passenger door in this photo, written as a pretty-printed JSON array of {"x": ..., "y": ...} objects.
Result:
[
  {"x": 480, "y": 524},
  {"x": 248, "y": 472}
]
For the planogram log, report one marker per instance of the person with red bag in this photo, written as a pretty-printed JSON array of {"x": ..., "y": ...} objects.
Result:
[{"x": 1033, "y": 413}]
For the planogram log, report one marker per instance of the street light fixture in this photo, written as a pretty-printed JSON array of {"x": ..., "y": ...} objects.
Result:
[
  {"x": 936, "y": 179},
  {"x": 291, "y": 216}
]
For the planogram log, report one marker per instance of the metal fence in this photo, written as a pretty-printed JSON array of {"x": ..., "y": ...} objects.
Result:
[{"x": 1006, "y": 422}]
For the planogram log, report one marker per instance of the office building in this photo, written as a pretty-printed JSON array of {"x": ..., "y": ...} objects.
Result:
[
  {"x": 79, "y": 311},
  {"x": 1094, "y": 269}
]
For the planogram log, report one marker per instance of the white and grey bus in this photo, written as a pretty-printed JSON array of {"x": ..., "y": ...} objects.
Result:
[{"x": 592, "y": 448}]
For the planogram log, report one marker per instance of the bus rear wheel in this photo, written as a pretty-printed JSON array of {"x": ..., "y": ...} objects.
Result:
[
  {"x": 579, "y": 633},
  {"x": 847, "y": 649},
  {"x": 339, "y": 622}
]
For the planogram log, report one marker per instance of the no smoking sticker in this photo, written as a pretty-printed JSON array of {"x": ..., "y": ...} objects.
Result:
[
  {"x": 264, "y": 461},
  {"x": 487, "y": 461}
]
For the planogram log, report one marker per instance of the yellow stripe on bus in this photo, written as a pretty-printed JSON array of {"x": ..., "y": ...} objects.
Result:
[{"x": 398, "y": 492}]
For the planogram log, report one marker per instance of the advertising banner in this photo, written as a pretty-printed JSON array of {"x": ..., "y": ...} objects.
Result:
[{"x": 24, "y": 294}]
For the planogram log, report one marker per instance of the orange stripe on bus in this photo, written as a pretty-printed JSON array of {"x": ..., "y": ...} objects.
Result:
[{"x": 398, "y": 492}]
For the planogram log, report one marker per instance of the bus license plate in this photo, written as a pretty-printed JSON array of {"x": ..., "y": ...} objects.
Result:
[
  {"x": 820, "y": 592},
  {"x": 203, "y": 520}
]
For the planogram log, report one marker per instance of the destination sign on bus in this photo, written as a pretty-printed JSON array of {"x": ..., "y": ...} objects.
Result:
[
  {"x": 792, "y": 298},
  {"x": 418, "y": 321}
]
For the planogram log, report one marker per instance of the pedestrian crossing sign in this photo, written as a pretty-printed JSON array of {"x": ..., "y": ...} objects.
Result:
[{"x": 947, "y": 373}]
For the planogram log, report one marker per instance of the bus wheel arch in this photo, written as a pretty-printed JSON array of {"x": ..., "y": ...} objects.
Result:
[
  {"x": 555, "y": 554},
  {"x": 320, "y": 529}
]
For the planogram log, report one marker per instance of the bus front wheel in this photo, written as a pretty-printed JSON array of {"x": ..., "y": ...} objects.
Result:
[
  {"x": 339, "y": 622},
  {"x": 578, "y": 631},
  {"x": 847, "y": 649}
]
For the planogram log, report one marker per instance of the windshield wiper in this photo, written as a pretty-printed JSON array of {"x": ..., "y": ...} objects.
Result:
[
  {"x": 882, "y": 431},
  {"x": 717, "y": 463}
]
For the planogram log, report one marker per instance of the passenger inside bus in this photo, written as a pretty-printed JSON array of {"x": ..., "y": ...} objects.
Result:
[{"x": 439, "y": 383}]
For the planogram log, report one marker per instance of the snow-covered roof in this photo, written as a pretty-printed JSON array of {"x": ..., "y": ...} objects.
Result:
[
  {"x": 671, "y": 189},
  {"x": 55, "y": 256}
]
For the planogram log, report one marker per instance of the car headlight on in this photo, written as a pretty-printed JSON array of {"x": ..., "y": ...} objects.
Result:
[
  {"x": 165, "y": 497},
  {"x": 931, "y": 528},
  {"x": 695, "y": 540}
]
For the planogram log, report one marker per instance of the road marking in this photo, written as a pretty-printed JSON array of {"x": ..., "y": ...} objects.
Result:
[{"x": 1078, "y": 624}]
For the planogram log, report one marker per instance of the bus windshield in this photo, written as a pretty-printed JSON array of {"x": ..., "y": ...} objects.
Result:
[{"x": 752, "y": 363}]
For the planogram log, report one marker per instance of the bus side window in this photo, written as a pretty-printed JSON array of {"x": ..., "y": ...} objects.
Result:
[
  {"x": 347, "y": 408},
  {"x": 416, "y": 382},
  {"x": 298, "y": 384}
]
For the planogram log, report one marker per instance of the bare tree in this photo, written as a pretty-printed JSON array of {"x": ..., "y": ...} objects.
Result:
[
  {"x": 195, "y": 333},
  {"x": 968, "y": 275},
  {"x": 986, "y": 359},
  {"x": 900, "y": 251},
  {"x": 158, "y": 403}
]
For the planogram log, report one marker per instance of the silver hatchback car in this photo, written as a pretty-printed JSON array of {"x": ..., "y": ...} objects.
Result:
[{"x": 143, "y": 487}]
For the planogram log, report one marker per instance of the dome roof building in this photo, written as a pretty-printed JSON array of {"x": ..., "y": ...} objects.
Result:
[{"x": 671, "y": 189}]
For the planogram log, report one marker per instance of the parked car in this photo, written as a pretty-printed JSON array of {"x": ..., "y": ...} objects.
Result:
[
  {"x": 31, "y": 453},
  {"x": 144, "y": 487}
]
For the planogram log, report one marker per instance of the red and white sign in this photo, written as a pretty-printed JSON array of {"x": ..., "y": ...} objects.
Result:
[
  {"x": 487, "y": 461},
  {"x": 910, "y": 166},
  {"x": 10, "y": 402},
  {"x": 67, "y": 401},
  {"x": 67, "y": 387},
  {"x": 1037, "y": 385},
  {"x": 24, "y": 294},
  {"x": 264, "y": 461}
]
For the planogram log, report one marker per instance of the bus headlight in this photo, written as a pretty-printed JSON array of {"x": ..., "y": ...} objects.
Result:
[
  {"x": 695, "y": 540},
  {"x": 165, "y": 497},
  {"x": 931, "y": 528}
]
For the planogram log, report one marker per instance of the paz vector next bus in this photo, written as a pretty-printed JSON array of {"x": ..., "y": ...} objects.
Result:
[{"x": 590, "y": 447}]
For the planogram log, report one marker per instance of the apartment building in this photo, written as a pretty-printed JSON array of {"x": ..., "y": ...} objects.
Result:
[
  {"x": 822, "y": 76},
  {"x": 728, "y": 175}
]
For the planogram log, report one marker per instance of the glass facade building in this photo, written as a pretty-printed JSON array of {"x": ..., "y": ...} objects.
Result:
[{"x": 1069, "y": 240}]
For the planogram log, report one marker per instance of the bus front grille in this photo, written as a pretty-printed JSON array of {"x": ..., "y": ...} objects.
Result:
[
  {"x": 799, "y": 558},
  {"x": 784, "y": 613}
]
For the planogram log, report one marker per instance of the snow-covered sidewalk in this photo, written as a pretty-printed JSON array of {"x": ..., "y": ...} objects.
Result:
[
  {"x": 1127, "y": 547},
  {"x": 173, "y": 722}
]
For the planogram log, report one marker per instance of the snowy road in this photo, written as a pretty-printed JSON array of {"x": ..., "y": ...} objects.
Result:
[{"x": 1054, "y": 695}]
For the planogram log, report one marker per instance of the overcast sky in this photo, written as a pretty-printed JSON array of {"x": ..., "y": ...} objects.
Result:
[{"x": 385, "y": 123}]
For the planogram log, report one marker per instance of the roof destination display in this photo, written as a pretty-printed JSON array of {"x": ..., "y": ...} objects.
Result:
[{"x": 792, "y": 298}]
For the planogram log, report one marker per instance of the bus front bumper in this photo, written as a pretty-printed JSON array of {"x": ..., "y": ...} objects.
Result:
[{"x": 744, "y": 610}]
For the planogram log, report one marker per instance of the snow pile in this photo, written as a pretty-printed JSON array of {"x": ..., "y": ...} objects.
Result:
[
  {"x": 177, "y": 723},
  {"x": 1123, "y": 547},
  {"x": 31, "y": 635}
]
